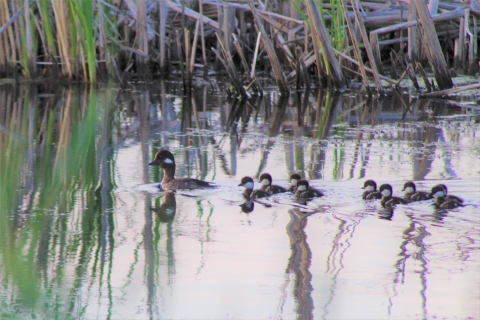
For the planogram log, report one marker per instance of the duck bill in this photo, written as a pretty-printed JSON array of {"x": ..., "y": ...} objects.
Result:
[{"x": 154, "y": 163}]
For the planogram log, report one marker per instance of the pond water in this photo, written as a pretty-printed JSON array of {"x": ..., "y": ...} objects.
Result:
[{"x": 85, "y": 233}]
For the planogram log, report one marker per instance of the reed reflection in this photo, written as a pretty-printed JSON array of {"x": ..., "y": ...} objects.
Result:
[{"x": 299, "y": 263}]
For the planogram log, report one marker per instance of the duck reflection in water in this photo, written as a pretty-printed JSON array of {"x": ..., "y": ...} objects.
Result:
[
  {"x": 247, "y": 206},
  {"x": 386, "y": 213},
  {"x": 167, "y": 209}
]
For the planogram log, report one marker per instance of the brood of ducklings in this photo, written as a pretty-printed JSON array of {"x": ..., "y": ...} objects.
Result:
[
  {"x": 266, "y": 181},
  {"x": 443, "y": 200},
  {"x": 412, "y": 194},
  {"x": 248, "y": 192},
  {"x": 166, "y": 161},
  {"x": 294, "y": 178},
  {"x": 305, "y": 191},
  {"x": 371, "y": 191},
  {"x": 387, "y": 199}
]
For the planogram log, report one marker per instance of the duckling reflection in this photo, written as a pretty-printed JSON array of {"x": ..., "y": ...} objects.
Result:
[
  {"x": 166, "y": 211},
  {"x": 247, "y": 206},
  {"x": 386, "y": 213}
]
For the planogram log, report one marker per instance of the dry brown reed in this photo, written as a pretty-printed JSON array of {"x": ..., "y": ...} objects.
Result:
[{"x": 297, "y": 41}]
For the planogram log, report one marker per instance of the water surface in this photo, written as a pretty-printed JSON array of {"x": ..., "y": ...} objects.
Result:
[{"x": 86, "y": 234}]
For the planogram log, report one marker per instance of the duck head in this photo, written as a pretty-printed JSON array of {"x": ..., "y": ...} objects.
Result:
[
  {"x": 247, "y": 183},
  {"x": 409, "y": 187},
  {"x": 386, "y": 190},
  {"x": 265, "y": 179},
  {"x": 164, "y": 159},
  {"x": 302, "y": 185},
  {"x": 438, "y": 191},
  {"x": 294, "y": 178},
  {"x": 370, "y": 185}
]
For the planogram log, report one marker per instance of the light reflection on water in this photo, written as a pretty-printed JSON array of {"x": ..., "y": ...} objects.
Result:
[{"x": 86, "y": 228}]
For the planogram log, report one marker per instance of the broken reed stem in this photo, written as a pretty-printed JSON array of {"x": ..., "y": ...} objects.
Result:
[
  {"x": 432, "y": 44},
  {"x": 180, "y": 56},
  {"x": 230, "y": 66},
  {"x": 357, "y": 52},
  {"x": 319, "y": 34},
  {"x": 368, "y": 48},
  {"x": 202, "y": 33},
  {"x": 188, "y": 74},
  {"x": 254, "y": 63},
  {"x": 449, "y": 91},
  {"x": 391, "y": 81},
  {"x": 242, "y": 56},
  {"x": 276, "y": 67},
  {"x": 194, "y": 47}
]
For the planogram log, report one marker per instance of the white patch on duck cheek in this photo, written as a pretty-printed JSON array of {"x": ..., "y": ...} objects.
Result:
[
  {"x": 265, "y": 182},
  {"x": 248, "y": 185},
  {"x": 293, "y": 182},
  {"x": 168, "y": 161},
  {"x": 409, "y": 190},
  {"x": 386, "y": 193},
  {"x": 439, "y": 194},
  {"x": 169, "y": 211},
  {"x": 369, "y": 188},
  {"x": 302, "y": 188}
]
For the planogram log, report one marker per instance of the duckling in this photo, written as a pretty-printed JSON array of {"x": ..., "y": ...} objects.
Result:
[
  {"x": 412, "y": 194},
  {"x": 248, "y": 192},
  {"x": 294, "y": 178},
  {"x": 166, "y": 161},
  {"x": 388, "y": 200},
  {"x": 305, "y": 191},
  {"x": 371, "y": 191},
  {"x": 444, "y": 201},
  {"x": 266, "y": 181}
]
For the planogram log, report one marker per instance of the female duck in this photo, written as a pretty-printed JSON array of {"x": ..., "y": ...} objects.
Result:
[
  {"x": 387, "y": 199},
  {"x": 248, "y": 192},
  {"x": 412, "y": 194},
  {"x": 444, "y": 201},
  {"x": 371, "y": 191},
  {"x": 166, "y": 161},
  {"x": 305, "y": 191},
  {"x": 266, "y": 181},
  {"x": 294, "y": 178}
]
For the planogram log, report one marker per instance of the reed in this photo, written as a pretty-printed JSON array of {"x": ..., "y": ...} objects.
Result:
[{"x": 82, "y": 40}]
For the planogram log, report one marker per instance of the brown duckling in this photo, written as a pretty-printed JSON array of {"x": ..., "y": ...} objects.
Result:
[
  {"x": 387, "y": 199},
  {"x": 305, "y": 191},
  {"x": 412, "y": 194},
  {"x": 371, "y": 191},
  {"x": 266, "y": 181},
  {"x": 248, "y": 192},
  {"x": 294, "y": 178},
  {"x": 443, "y": 200},
  {"x": 166, "y": 161}
]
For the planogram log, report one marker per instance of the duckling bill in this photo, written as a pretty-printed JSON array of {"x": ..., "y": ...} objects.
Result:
[{"x": 166, "y": 161}]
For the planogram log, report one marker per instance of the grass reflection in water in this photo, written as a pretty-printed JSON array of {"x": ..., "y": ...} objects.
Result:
[{"x": 83, "y": 233}]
